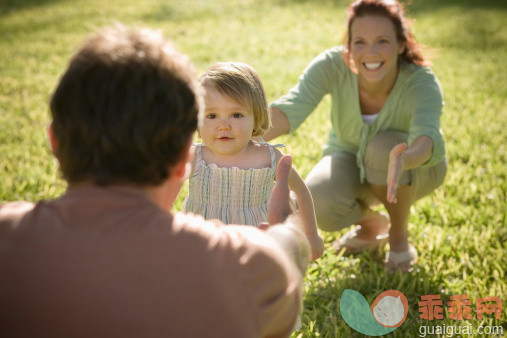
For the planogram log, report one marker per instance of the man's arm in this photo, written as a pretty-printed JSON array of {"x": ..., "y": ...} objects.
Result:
[{"x": 292, "y": 240}]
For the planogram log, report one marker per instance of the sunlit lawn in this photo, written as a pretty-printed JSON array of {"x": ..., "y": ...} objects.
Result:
[{"x": 459, "y": 231}]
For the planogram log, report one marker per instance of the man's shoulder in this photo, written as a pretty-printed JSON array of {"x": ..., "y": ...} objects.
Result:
[
  {"x": 245, "y": 243},
  {"x": 251, "y": 265},
  {"x": 11, "y": 213}
]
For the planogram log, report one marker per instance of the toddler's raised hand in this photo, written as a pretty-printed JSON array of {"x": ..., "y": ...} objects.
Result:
[{"x": 316, "y": 246}]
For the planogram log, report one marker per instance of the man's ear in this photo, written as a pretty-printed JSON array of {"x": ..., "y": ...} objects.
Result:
[
  {"x": 183, "y": 168},
  {"x": 52, "y": 139}
]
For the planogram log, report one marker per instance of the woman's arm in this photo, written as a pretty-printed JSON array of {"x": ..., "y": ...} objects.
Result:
[
  {"x": 316, "y": 81},
  {"x": 404, "y": 158},
  {"x": 419, "y": 152},
  {"x": 279, "y": 124}
]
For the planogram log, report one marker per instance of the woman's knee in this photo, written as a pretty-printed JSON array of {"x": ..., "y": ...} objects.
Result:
[
  {"x": 334, "y": 185},
  {"x": 334, "y": 211},
  {"x": 377, "y": 150},
  {"x": 430, "y": 178}
]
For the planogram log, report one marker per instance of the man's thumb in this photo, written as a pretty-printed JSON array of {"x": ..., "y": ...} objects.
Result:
[{"x": 283, "y": 169}]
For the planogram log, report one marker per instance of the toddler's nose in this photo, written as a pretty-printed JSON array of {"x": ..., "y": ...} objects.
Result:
[{"x": 223, "y": 124}]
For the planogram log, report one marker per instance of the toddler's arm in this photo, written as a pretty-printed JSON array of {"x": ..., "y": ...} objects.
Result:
[
  {"x": 306, "y": 211},
  {"x": 283, "y": 227}
]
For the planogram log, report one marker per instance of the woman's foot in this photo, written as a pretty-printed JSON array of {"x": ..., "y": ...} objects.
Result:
[
  {"x": 371, "y": 232},
  {"x": 401, "y": 256},
  {"x": 372, "y": 225}
]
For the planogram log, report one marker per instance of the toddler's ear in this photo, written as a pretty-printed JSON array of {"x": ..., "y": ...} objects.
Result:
[{"x": 52, "y": 139}]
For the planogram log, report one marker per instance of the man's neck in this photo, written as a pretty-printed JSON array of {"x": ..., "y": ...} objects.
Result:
[{"x": 164, "y": 194}]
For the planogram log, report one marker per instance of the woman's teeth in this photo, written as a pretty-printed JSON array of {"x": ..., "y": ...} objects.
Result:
[{"x": 372, "y": 66}]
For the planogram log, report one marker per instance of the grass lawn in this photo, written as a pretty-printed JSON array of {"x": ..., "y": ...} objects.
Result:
[{"x": 459, "y": 231}]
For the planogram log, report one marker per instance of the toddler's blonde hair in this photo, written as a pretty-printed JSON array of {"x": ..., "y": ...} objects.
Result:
[{"x": 240, "y": 83}]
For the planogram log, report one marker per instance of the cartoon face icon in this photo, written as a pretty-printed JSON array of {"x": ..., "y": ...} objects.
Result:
[{"x": 390, "y": 308}]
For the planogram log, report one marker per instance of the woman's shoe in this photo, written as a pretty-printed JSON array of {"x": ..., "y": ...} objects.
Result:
[{"x": 395, "y": 260}]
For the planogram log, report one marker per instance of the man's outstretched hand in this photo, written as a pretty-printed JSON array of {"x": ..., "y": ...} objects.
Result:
[
  {"x": 288, "y": 232},
  {"x": 279, "y": 208}
]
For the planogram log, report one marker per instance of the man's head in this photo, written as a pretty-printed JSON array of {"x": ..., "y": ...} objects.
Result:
[{"x": 125, "y": 109}]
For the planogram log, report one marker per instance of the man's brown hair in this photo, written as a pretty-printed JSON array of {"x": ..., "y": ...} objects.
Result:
[{"x": 125, "y": 109}]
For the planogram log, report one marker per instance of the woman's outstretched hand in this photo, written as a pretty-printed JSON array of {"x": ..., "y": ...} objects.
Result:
[{"x": 394, "y": 171}]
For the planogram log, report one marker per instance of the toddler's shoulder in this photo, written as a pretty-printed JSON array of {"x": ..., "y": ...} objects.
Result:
[{"x": 259, "y": 155}]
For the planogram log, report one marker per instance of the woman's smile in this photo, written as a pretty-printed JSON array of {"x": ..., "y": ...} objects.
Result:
[{"x": 373, "y": 66}]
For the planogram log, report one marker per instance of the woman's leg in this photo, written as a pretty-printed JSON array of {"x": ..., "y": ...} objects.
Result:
[
  {"x": 372, "y": 224},
  {"x": 398, "y": 213},
  {"x": 341, "y": 200},
  {"x": 376, "y": 161}
]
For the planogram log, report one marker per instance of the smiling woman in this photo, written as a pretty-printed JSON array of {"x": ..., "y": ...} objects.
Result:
[
  {"x": 374, "y": 49},
  {"x": 385, "y": 145}
]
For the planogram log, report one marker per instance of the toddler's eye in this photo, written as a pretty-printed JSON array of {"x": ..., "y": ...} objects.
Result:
[
  {"x": 237, "y": 115},
  {"x": 211, "y": 116}
]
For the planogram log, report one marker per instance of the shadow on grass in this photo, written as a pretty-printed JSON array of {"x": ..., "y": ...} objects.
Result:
[
  {"x": 412, "y": 5},
  {"x": 420, "y": 7},
  {"x": 7, "y": 6}
]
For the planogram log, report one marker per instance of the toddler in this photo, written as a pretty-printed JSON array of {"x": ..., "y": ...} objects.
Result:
[{"x": 232, "y": 174}]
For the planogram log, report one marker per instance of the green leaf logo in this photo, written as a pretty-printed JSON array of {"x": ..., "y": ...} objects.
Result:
[{"x": 388, "y": 311}]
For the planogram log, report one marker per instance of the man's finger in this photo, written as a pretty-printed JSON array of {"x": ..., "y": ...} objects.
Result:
[
  {"x": 283, "y": 170},
  {"x": 279, "y": 207},
  {"x": 263, "y": 226}
]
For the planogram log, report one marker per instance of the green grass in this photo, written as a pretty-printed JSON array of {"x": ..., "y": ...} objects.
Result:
[{"x": 459, "y": 231}]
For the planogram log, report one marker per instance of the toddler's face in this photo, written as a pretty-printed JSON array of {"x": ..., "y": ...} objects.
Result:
[{"x": 227, "y": 126}]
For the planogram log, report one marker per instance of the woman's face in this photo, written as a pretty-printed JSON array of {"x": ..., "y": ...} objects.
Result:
[{"x": 374, "y": 49}]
